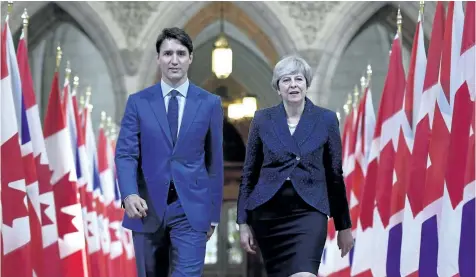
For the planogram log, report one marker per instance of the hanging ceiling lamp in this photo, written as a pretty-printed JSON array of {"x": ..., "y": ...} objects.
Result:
[{"x": 222, "y": 55}]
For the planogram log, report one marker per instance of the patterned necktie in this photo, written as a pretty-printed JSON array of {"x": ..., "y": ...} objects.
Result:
[{"x": 172, "y": 115}]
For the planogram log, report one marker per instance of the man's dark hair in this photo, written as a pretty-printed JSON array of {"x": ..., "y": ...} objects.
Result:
[{"x": 174, "y": 33}]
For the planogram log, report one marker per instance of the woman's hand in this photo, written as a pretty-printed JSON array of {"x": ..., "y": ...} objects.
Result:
[
  {"x": 246, "y": 239},
  {"x": 345, "y": 241}
]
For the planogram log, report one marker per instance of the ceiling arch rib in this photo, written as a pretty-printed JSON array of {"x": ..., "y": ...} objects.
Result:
[
  {"x": 237, "y": 17},
  {"x": 255, "y": 21}
]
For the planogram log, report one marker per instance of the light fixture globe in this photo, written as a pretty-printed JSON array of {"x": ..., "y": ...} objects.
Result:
[
  {"x": 222, "y": 58},
  {"x": 250, "y": 105}
]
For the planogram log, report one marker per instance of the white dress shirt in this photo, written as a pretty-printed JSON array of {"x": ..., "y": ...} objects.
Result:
[
  {"x": 181, "y": 98},
  {"x": 292, "y": 128}
]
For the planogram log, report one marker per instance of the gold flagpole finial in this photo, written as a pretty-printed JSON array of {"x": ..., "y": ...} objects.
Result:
[
  {"x": 68, "y": 70},
  {"x": 88, "y": 96},
  {"x": 76, "y": 81},
  {"x": 356, "y": 96},
  {"x": 75, "y": 84},
  {"x": 81, "y": 101},
  {"x": 108, "y": 126},
  {"x": 9, "y": 9},
  {"x": 399, "y": 22},
  {"x": 59, "y": 55},
  {"x": 422, "y": 7},
  {"x": 25, "y": 19},
  {"x": 103, "y": 120},
  {"x": 113, "y": 132},
  {"x": 363, "y": 84},
  {"x": 347, "y": 104},
  {"x": 369, "y": 74}
]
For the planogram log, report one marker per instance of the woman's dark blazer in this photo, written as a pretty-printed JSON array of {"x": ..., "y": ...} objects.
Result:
[{"x": 311, "y": 158}]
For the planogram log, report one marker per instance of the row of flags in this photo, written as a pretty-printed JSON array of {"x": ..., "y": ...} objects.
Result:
[
  {"x": 60, "y": 209},
  {"x": 410, "y": 168}
]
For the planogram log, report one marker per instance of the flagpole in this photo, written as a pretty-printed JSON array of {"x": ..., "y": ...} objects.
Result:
[
  {"x": 82, "y": 101},
  {"x": 103, "y": 122},
  {"x": 356, "y": 97},
  {"x": 59, "y": 55},
  {"x": 75, "y": 87},
  {"x": 399, "y": 26},
  {"x": 347, "y": 104},
  {"x": 68, "y": 70},
  {"x": 25, "y": 18},
  {"x": 422, "y": 10},
  {"x": 87, "y": 104},
  {"x": 363, "y": 84},
  {"x": 369, "y": 74},
  {"x": 9, "y": 10},
  {"x": 108, "y": 127}
]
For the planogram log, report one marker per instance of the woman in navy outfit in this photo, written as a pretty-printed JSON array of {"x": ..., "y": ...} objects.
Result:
[{"x": 292, "y": 179}]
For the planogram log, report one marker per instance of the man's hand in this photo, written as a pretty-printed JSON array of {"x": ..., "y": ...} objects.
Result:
[
  {"x": 210, "y": 232},
  {"x": 135, "y": 206},
  {"x": 246, "y": 239},
  {"x": 345, "y": 241}
]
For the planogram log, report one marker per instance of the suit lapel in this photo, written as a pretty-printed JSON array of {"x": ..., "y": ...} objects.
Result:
[
  {"x": 309, "y": 118},
  {"x": 282, "y": 129},
  {"x": 192, "y": 104},
  {"x": 157, "y": 104}
]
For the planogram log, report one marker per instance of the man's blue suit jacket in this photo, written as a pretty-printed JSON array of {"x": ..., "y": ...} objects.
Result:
[
  {"x": 311, "y": 158},
  {"x": 146, "y": 160}
]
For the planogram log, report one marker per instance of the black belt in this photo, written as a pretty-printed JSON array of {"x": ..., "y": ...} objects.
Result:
[{"x": 173, "y": 196}]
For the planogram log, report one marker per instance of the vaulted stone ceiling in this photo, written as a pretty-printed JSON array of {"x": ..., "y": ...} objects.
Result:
[{"x": 125, "y": 32}]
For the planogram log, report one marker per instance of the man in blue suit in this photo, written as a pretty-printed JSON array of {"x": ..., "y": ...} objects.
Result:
[{"x": 169, "y": 160}]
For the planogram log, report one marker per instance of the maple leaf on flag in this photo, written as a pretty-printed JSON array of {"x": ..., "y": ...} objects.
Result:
[
  {"x": 45, "y": 219},
  {"x": 90, "y": 233},
  {"x": 12, "y": 172},
  {"x": 86, "y": 204},
  {"x": 44, "y": 175},
  {"x": 65, "y": 196},
  {"x": 113, "y": 232}
]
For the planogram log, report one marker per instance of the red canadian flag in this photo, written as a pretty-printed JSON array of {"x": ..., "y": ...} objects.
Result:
[
  {"x": 49, "y": 228},
  {"x": 71, "y": 240},
  {"x": 15, "y": 248}
]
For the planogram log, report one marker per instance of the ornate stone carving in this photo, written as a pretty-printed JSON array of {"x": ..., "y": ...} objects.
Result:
[
  {"x": 309, "y": 16},
  {"x": 312, "y": 57},
  {"x": 131, "y": 59},
  {"x": 131, "y": 17}
]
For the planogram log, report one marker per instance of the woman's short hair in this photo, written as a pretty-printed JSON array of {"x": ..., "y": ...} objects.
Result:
[{"x": 291, "y": 65}]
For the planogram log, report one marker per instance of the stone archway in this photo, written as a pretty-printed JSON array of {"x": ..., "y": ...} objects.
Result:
[
  {"x": 353, "y": 16},
  {"x": 238, "y": 18},
  {"x": 84, "y": 17},
  {"x": 258, "y": 22}
]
